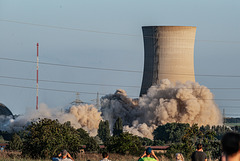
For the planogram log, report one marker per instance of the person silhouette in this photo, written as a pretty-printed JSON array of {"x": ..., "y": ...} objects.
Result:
[{"x": 231, "y": 147}]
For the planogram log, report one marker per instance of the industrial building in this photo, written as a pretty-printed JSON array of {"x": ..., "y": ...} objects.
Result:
[
  {"x": 4, "y": 110},
  {"x": 168, "y": 54}
]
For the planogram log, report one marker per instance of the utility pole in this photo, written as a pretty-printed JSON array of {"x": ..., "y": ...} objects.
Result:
[
  {"x": 98, "y": 102},
  {"x": 77, "y": 101},
  {"x": 224, "y": 116},
  {"x": 37, "y": 79}
]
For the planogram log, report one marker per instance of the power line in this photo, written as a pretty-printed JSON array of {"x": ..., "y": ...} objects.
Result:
[
  {"x": 68, "y": 28},
  {"x": 57, "y": 90},
  {"x": 116, "y": 70},
  {"x": 227, "y": 99},
  {"x": 48, "y": 89},
  {"x": 234, "y": 114},
  {"x": 69, "y": 91},
  {"x": 66, "y": 82},
  {"x": 98, "y": 84},
  {"x": 101, "y": 32},
  {"x": 220, "y": 41},
  {"x": 72, "y": 66},
  {"x": 227, "y": 107}
]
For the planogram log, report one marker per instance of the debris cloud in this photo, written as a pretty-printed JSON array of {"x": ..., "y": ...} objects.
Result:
[
  {"x": 164, "y": 103},
  {"x": 81, "y": 116}
]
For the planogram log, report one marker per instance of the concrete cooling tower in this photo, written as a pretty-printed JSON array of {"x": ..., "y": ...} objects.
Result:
[
  {"x": 168, "y": 54},
  {"x": 4, "y": 110}
]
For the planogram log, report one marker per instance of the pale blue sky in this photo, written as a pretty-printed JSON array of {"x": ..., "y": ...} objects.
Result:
[{"x": 216, "y": 52}]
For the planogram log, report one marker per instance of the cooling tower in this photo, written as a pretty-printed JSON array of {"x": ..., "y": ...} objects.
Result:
[
  {"x": 168, "y": 54},
  {"x": 4, "y": 110}
]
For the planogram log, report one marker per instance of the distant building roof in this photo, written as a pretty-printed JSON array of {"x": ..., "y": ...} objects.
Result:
[
  {"x": 153, "y": 147},
  {"x": 3, "y": 144},
  {"x": 158, "y": 147},
  {"x": 4, "y": 110},
  {"x": 100, "y": 146}
]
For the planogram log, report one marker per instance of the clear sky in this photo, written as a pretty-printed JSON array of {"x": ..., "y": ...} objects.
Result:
[{"x": 107, "y": 34}]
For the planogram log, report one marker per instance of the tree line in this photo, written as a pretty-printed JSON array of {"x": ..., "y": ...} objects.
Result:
[{"x": 46, "y": 138}]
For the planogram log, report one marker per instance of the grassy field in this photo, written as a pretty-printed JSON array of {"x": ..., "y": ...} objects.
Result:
[
  {"x": 232, "y": 124},
  {"x": 16, "y": 156}
]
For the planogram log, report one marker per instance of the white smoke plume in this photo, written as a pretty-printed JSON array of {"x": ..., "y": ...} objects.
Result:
[
  {"x": 81, "y": 116},
  {"x": 164, "y": 103}
]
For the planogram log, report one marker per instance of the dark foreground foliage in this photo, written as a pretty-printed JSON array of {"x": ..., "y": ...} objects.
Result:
[
  {"x": 46, "y": 138},
  {"x": 192, "y": 136},
  {"x": 103, "y": 130},
  {"x": 125, "y": 143},
  {"x": 15, "y": 143},
  {"x": 170, "y": 132}
]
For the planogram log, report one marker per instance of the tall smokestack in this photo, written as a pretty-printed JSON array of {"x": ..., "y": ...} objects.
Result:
[{"x": 168, "y": 54}]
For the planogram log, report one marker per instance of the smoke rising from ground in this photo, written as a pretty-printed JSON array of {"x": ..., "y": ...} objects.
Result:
[
  {"x": 81, "y": 116},
  {"x": 184, "y": 103},
  {"x": 87, "y": 116},
  {"x": 164, "y": 103}
]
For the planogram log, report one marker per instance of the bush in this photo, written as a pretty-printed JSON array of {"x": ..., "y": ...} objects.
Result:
[
  {"x": 125, "y": 143},
  {"x": 46, "y": 138},
  {"x": 170, "y": 132},
  {"x": 16, "y": 143}
]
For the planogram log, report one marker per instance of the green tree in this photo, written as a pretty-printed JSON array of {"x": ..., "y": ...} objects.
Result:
[
  {"x": 176, "y": 148},
  {"x": 205, "y": 128},
  {"x": 83, "y": 135},
  {"x": 236, "y": 128},
  {"x": 16, "y": 143},
  {"x": 104, "y": 131},
  {"x": 5, "y": 135},
  {"x": 158, "y": 143},
  {"x": 90, "y": 142},
  {"x": 187, "y": 144},
  {"x": 194, "y": 135},
  {"x": 220, "y": 131},
  {"x": 125, "y": 143},
  {"x": 118, "y": 127},
  {"x": 170, "y": 132},
  {"x": 146, "y": 142},
  {"x": 92, "y": 145},
  {"x": 46, "y": 138}
]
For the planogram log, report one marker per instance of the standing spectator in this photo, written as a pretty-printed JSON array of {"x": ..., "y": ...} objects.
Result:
[
  {"x": 199, "y": 155},
  {"x": 179, "y": 157},
  {"x": 105, "y": 156},
  {"x": 147, "y": 155},
  {"x": 231, "y": 147}
]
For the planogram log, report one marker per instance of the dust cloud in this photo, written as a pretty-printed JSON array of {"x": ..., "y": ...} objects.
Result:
[
  {"x": 81, "y": 116},
  {"x": 164, "y": 103}
]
